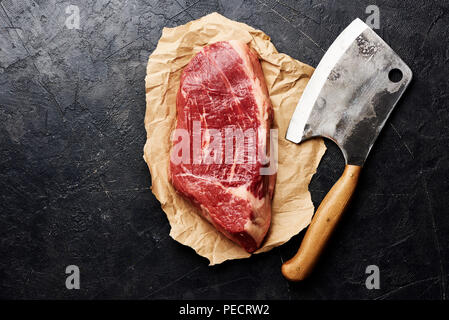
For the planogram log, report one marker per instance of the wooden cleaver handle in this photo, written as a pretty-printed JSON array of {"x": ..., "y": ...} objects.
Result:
[{"x": 322, "y": 225}]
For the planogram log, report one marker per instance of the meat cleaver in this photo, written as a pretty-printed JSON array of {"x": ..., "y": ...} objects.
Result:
[{"x": 348, "y": 100}]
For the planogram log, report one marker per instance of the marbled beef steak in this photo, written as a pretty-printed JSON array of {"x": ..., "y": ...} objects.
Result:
[{"x": 223, "y": 94}]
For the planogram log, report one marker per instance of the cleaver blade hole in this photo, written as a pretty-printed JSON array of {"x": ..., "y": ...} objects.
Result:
[{"x": 395, "y": 75}]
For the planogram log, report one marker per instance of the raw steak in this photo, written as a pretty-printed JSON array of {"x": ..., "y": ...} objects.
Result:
[{"x": 223, "y": 87}]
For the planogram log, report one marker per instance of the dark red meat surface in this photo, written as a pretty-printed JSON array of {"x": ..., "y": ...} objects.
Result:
[{"x": 223, "y": 87}]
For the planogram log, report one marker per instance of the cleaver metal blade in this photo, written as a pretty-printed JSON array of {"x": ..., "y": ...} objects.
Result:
[{"x": 348, "y": 100}]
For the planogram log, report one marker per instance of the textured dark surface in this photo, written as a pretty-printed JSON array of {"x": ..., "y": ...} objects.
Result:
[{"x": 75, "y": 190}]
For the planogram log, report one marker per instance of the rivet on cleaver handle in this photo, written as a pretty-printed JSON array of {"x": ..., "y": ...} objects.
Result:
[{"x": 348, "y": 100}]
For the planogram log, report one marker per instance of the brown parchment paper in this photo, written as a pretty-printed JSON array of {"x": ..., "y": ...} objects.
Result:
[{"x": 286, "y": 79}]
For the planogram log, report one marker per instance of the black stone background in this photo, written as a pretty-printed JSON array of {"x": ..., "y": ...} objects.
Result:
[{"x": 74, "y": 188}]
